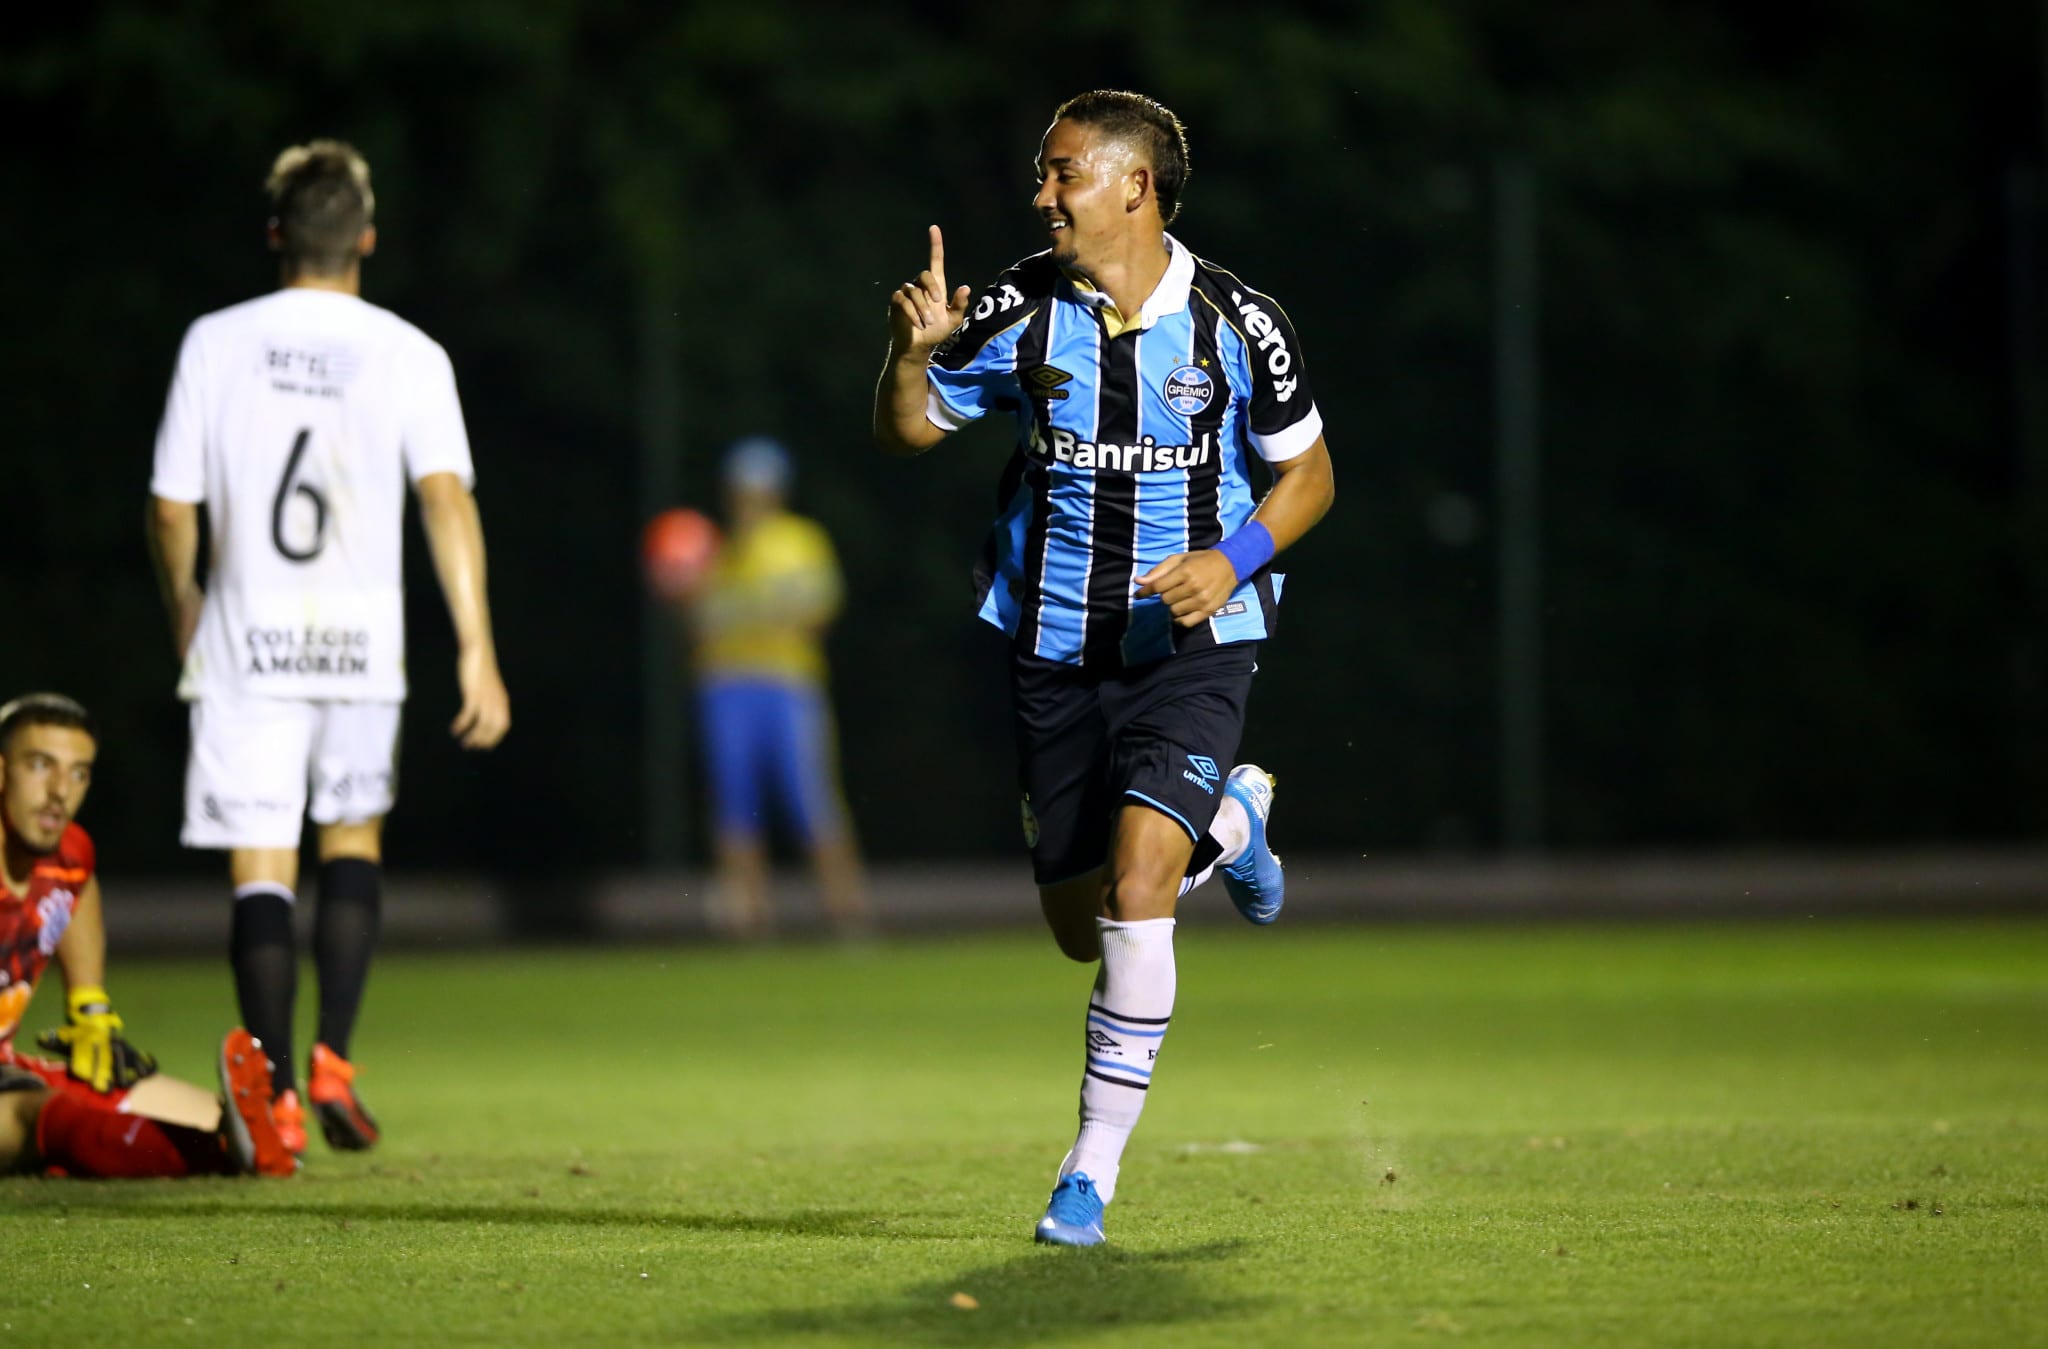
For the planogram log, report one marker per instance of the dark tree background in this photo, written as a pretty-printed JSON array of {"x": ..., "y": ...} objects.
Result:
[{"x": 1792, "y": 479}]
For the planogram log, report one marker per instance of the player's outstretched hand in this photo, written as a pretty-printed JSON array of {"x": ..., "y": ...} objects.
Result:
[
  {"x": 1194, "y": 585},
  {"x": 921, "y": 314},
  {"x": 486, "y": 707}
]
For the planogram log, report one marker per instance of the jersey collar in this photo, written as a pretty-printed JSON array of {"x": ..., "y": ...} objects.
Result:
[{"x": 1170, "y": 296}]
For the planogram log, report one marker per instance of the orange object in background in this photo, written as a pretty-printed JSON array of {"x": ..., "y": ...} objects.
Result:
[{"x": 678, "y": 549}]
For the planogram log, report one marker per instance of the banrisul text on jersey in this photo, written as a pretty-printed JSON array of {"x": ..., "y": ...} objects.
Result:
[{"x": 1131, "y": 446}]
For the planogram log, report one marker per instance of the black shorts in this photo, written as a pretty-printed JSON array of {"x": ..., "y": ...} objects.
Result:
[{"x": 1161, "y": 735}]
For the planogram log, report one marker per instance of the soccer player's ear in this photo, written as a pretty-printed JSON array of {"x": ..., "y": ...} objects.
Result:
[
  {"x": 1137, "y": 189},
  {"x": 273, "y": 237},
  {"x": 366, "y": 242}
]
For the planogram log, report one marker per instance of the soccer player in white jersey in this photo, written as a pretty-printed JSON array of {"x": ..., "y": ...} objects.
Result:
[{"x": 297, "y": 419}]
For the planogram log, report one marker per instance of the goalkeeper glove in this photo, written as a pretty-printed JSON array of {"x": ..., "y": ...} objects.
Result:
[{"x": 91, "y": 1041}]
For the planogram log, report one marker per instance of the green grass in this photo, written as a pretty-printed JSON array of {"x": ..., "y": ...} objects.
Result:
[{"x": 1809, "y": 1134}]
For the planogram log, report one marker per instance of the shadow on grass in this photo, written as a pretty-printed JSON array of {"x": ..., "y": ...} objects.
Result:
[
  {"x": 824, "y": 1223},
  {"x": 1038, "y": 1294}
]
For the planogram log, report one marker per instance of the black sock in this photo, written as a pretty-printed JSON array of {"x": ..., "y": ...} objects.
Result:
[
  {"x": 1206, "y": 853},
  {"x": 344, "y": 939},
  {"x": 267, "y": 975}
]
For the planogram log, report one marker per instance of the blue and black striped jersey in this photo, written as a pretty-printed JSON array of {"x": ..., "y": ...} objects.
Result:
[{"x": 1129, "y": 449}]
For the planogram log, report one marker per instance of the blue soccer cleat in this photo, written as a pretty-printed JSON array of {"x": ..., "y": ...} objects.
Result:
[
  {"x": 1255, "y": 881},
  {"x": 1073, "y": 1217}
]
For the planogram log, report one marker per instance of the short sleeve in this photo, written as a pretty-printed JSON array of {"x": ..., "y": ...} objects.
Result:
[
  {"x": 1283, "y": 419},
  {"x": 179, "y": 471},
  {"x": 975, "y": 370},
  {"x": 76, "y": 847},
  {"x": 436, "y": 441}
]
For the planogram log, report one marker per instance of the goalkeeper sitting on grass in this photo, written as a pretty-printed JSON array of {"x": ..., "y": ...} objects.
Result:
[{"x": 99, "y": 1109}]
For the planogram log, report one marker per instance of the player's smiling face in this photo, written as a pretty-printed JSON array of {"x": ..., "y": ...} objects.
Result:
[
  {"x": 1085, "y": 187},
  {"x": 44, "y": 777}
]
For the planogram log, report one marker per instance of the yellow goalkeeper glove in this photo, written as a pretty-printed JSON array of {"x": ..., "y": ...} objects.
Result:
[{"x": 91, "y": 1041}]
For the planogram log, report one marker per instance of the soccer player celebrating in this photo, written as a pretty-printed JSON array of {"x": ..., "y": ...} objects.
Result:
[
  {"x": 297, "y": 419},
  {"x": 69, "y": 1114},
  {"x": 1129, "y": 562}
]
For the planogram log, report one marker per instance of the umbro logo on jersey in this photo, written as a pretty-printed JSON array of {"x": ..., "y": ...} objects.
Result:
[
  {"x": 1046, "y": 381},
  {"x": 1189, "y": 389},
  {"x": 1271, "y": 340}
]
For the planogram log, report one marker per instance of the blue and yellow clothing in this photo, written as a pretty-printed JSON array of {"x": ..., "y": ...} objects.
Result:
[
  {"x": 1134, "y": 439},
  {"x": 761, "y": 660},
  {"x": 766, "y": 604}
]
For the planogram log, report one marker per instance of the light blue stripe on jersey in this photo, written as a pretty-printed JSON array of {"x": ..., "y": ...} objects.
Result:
[
  {"x": 1162, "y": 498},
  {"x": 972, "y": 394},
  {"x": 1000, "y": 606},
  {"x": 1234, "y": 504},
  {"x": 1070, "y": 345}
]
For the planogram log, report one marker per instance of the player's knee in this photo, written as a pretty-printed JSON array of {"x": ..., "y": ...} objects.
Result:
[
  {"x": 18, "y": 1110},
  {"x": 1139, "y": 893}
]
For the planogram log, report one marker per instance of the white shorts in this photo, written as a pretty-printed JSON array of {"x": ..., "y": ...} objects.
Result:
[{"x": 253, "y": 760}]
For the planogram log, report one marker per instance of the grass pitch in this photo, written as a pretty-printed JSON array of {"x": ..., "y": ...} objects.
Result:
[{"x": 1810, "y": 1134}]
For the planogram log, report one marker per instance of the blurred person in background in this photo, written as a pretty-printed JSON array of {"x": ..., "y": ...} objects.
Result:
[
  {"x": 84, "y": 1114},
  {"x": 1130, "y": 564},
  {"x": 297, "y": 420},
  {"x": 757, "y": 622}
]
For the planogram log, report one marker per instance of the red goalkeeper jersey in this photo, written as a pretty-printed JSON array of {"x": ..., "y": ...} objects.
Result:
[{"x": 32, "y": 923}]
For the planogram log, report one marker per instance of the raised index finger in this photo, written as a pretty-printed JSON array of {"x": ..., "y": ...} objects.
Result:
[{"x": 938, "y": 267}]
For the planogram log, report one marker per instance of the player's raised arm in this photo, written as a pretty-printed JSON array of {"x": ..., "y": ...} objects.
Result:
[
  {"x": 456, "y": 536},
  {"x": 921, "y": 316}
]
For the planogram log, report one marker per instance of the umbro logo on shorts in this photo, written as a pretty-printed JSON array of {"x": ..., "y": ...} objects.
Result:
[{"x": 1205, "y": 774}]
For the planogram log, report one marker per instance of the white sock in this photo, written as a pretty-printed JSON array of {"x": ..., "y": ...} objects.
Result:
[
  {"x": 1232, "y": 832},
  {"x": 1128, "y": 1012}
]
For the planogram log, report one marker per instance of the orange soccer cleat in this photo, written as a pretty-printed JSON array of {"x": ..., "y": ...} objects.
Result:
[
  {"x": 291, "y": 1120},
  {"x": 349, "y": 1127},
  {"x": 247, "y": 1126}
]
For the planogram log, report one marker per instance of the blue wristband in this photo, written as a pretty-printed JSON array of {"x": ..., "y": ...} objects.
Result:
[{"x": 1249, "y": 549}]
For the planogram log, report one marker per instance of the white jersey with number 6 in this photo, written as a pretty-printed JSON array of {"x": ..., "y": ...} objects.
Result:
[{"x": 297, "y": 419}]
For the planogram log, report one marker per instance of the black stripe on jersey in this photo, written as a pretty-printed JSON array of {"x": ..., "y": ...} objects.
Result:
[
  {"x": 1269, "y": 603},
  {"x": 1204, "y": 487},
  {"x": 1035, "y": 472},
  {"x": 1114, "y": 528},
  {"x": 1117, "y": 1081}
]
